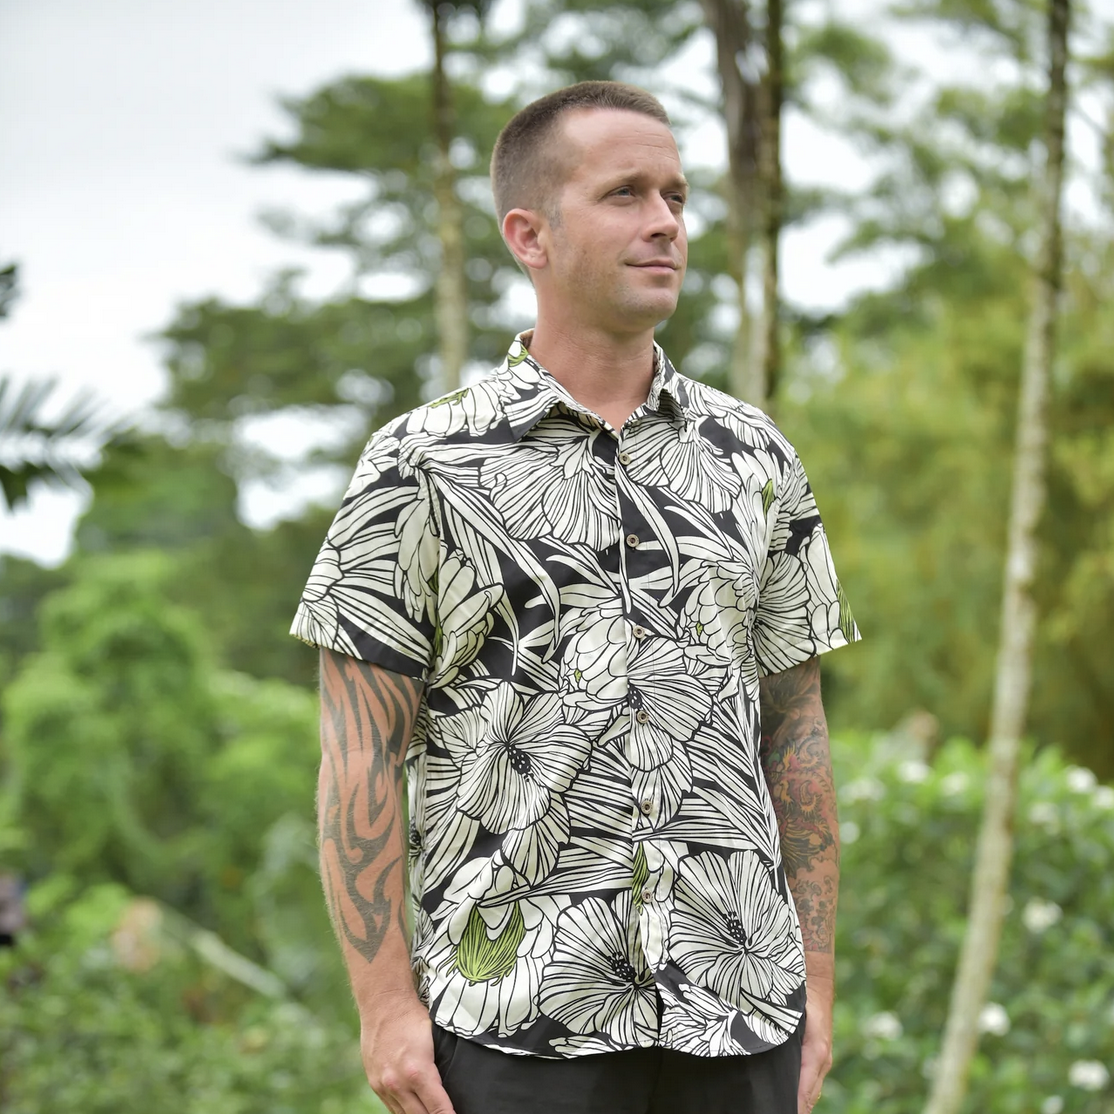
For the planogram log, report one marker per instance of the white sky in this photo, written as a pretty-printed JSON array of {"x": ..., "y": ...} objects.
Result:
[{"x": 123, "y": 188}]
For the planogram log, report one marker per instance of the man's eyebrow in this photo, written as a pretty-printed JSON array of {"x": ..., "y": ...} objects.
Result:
[{"x": 679, "y": 183}]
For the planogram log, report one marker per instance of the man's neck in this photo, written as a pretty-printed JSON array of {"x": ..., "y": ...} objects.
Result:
[{"x": 609, "y": 375}]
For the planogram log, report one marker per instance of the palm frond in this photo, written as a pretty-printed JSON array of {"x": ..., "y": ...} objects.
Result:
[{"x": 52, "y": 451}]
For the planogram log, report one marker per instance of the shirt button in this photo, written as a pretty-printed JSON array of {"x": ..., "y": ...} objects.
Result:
[
  {"x": 642, "y": 716},
  {"x": 647, "y": 896},
  {"x": 647, "y": 807},
  {"x": 632, "y": 540},
  {"x": 639, "y": 633},
  {"x": 625, "y": 458}
]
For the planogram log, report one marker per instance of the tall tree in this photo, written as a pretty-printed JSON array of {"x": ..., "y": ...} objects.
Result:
[
  {"x": 730, "y": 23},
  {"x": 451, "y": 284},
  {"x": 766, "y": 359},
  {"x": 1012, "y": 681}
]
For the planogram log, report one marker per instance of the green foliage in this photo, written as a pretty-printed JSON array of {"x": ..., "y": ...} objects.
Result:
[
  {"x": 9, "y": 288},
  {"x": 908, "y": 845},
  {"x": 142, "y": 1023},
  {"x": 40, "y": 449},
  {"x": 132, "y": 758},
  {"x": 83, "y": 1027},
  {"x": 354, "y": 356}
]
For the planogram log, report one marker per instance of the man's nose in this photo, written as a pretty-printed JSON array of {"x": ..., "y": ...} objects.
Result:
[{"x": 662, "y": 220}]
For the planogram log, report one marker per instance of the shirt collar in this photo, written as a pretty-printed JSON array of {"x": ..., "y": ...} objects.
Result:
[{"x": 531, "y": 392}]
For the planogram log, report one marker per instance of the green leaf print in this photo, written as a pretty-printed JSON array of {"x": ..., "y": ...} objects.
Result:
[
  {"x": 768, "y": 496},
  {"x": 481, "y": 959},
  {"x": 456, "y": 396},
  {"x": 846, "y": 619},
  {"x": 641, "y": 874}
]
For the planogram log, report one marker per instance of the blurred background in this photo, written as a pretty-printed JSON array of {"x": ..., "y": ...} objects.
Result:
[{"x": 237, "y": 237}]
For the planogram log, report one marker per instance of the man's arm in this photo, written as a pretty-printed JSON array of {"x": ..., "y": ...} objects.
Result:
[
  {"x": 798, "y": 767},
  {"x": 367, "y": 715}
]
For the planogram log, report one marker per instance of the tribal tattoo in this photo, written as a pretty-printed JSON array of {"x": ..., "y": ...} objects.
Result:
[
  {"x": 367, "y": 715},
  {"x": 797, "y": 763}
]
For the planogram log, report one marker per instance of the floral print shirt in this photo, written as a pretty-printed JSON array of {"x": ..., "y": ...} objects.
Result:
[{"x": 594, "y": 857}]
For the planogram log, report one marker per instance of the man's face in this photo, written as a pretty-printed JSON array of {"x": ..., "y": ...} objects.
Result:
[{"x": 617, "y": 249}]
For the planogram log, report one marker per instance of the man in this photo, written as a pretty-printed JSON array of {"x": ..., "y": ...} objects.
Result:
[{"x": 559, "y": 599}]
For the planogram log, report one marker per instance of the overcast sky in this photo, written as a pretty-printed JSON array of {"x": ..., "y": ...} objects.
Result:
[{"x": 123, "y": 188}]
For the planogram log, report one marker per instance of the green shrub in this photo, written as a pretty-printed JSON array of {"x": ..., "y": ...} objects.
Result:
[
  {"x": 80, "y": 1031},
  {"x": 909, "y": 834}
]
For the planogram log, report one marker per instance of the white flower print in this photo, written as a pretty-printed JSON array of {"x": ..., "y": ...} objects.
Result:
[
  {"x": 782, "y": 633},
  {"x": 593, "y": 666},
  {"x": 685, "y": 461},
  {"x": 698, "y": 1022},
  {"x": 483, "y": 969},
  {"x": 553, "y": 485},
  {"x": 718, "y": 610},
  {"x": 597, "y": 979},
  {"x": 353, "y": 579},
  {"x": 830, "y": 612},
  {"x": 319, "y": 611},
  {"x": 471, "y": 409},
  {"x": 732, "y": 932},
  {"x": 464, "y": 619},
  {"x": 418, "y": 554},
  {"x": 669, "y": 704},
  {"x": 513, "y": 775}
]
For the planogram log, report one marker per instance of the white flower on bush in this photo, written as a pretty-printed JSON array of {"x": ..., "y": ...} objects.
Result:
[
  {"x": 863, "y": 789},
  {"x": 1052, "y": 1105},
  {"x": 1088, "y": 1075},
  {"x": 913, "y": 772},
  {"x": 994, "y": 1020},
  {"x": 1039, "y": 916},
  {"x": 1103, "y": 797},
  {"x": 1044, "y": 814},
  {"x": 954, "y": 784},
  {"x": 1080, "y": 780},
  {"x": 884, "y": 1026}
]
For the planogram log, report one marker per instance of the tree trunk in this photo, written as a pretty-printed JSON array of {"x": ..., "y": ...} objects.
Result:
[
  {"x": 1011, "y": 689},
  {"x": 766, "y": 359},
  {"x": 729, "y": 22},
  {"x": 451, "y": 288}
]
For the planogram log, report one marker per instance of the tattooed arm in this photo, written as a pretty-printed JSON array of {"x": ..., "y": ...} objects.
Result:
[
  {"x": 798, "y": 769},
  {"x": 367, "y": 715}
]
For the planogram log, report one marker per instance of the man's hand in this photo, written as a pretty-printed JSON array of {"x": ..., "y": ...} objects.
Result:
[
  {"x": 397, "y": 1048},
  {"x": 816, "y": 1052}
]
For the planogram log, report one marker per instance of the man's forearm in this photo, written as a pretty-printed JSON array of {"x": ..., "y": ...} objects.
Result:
[
  {"x": 797, "y": 763},
  {"x": 367, "y": 715}
]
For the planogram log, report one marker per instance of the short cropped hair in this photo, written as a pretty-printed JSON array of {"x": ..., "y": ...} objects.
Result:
[{"x": 526, "y": 165}]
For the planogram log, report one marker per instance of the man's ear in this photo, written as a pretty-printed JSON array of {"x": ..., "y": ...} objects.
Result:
[{"x": 524, "y": 232}]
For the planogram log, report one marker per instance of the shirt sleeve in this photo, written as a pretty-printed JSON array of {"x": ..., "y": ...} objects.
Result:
[
  {"x": 370, "y": 593},
  {"x": 802, "y": 610}
]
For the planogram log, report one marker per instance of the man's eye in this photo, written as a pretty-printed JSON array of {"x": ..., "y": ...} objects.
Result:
[{"x": 625, "y": 190}]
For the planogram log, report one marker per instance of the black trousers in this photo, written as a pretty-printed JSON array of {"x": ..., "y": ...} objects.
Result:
[{"x": 481, "y": 1080}]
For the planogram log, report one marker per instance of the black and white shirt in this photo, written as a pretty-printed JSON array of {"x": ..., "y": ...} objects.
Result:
[{"x": 594, "y": 858}]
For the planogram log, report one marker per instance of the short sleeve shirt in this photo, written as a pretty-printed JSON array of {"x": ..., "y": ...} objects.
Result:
[{"x": 594, "y": 857}]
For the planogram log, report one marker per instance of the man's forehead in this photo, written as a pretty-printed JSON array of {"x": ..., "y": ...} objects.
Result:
[
  {"x": 624, "y": 135},
  {"x": 591, "y": 124}
]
